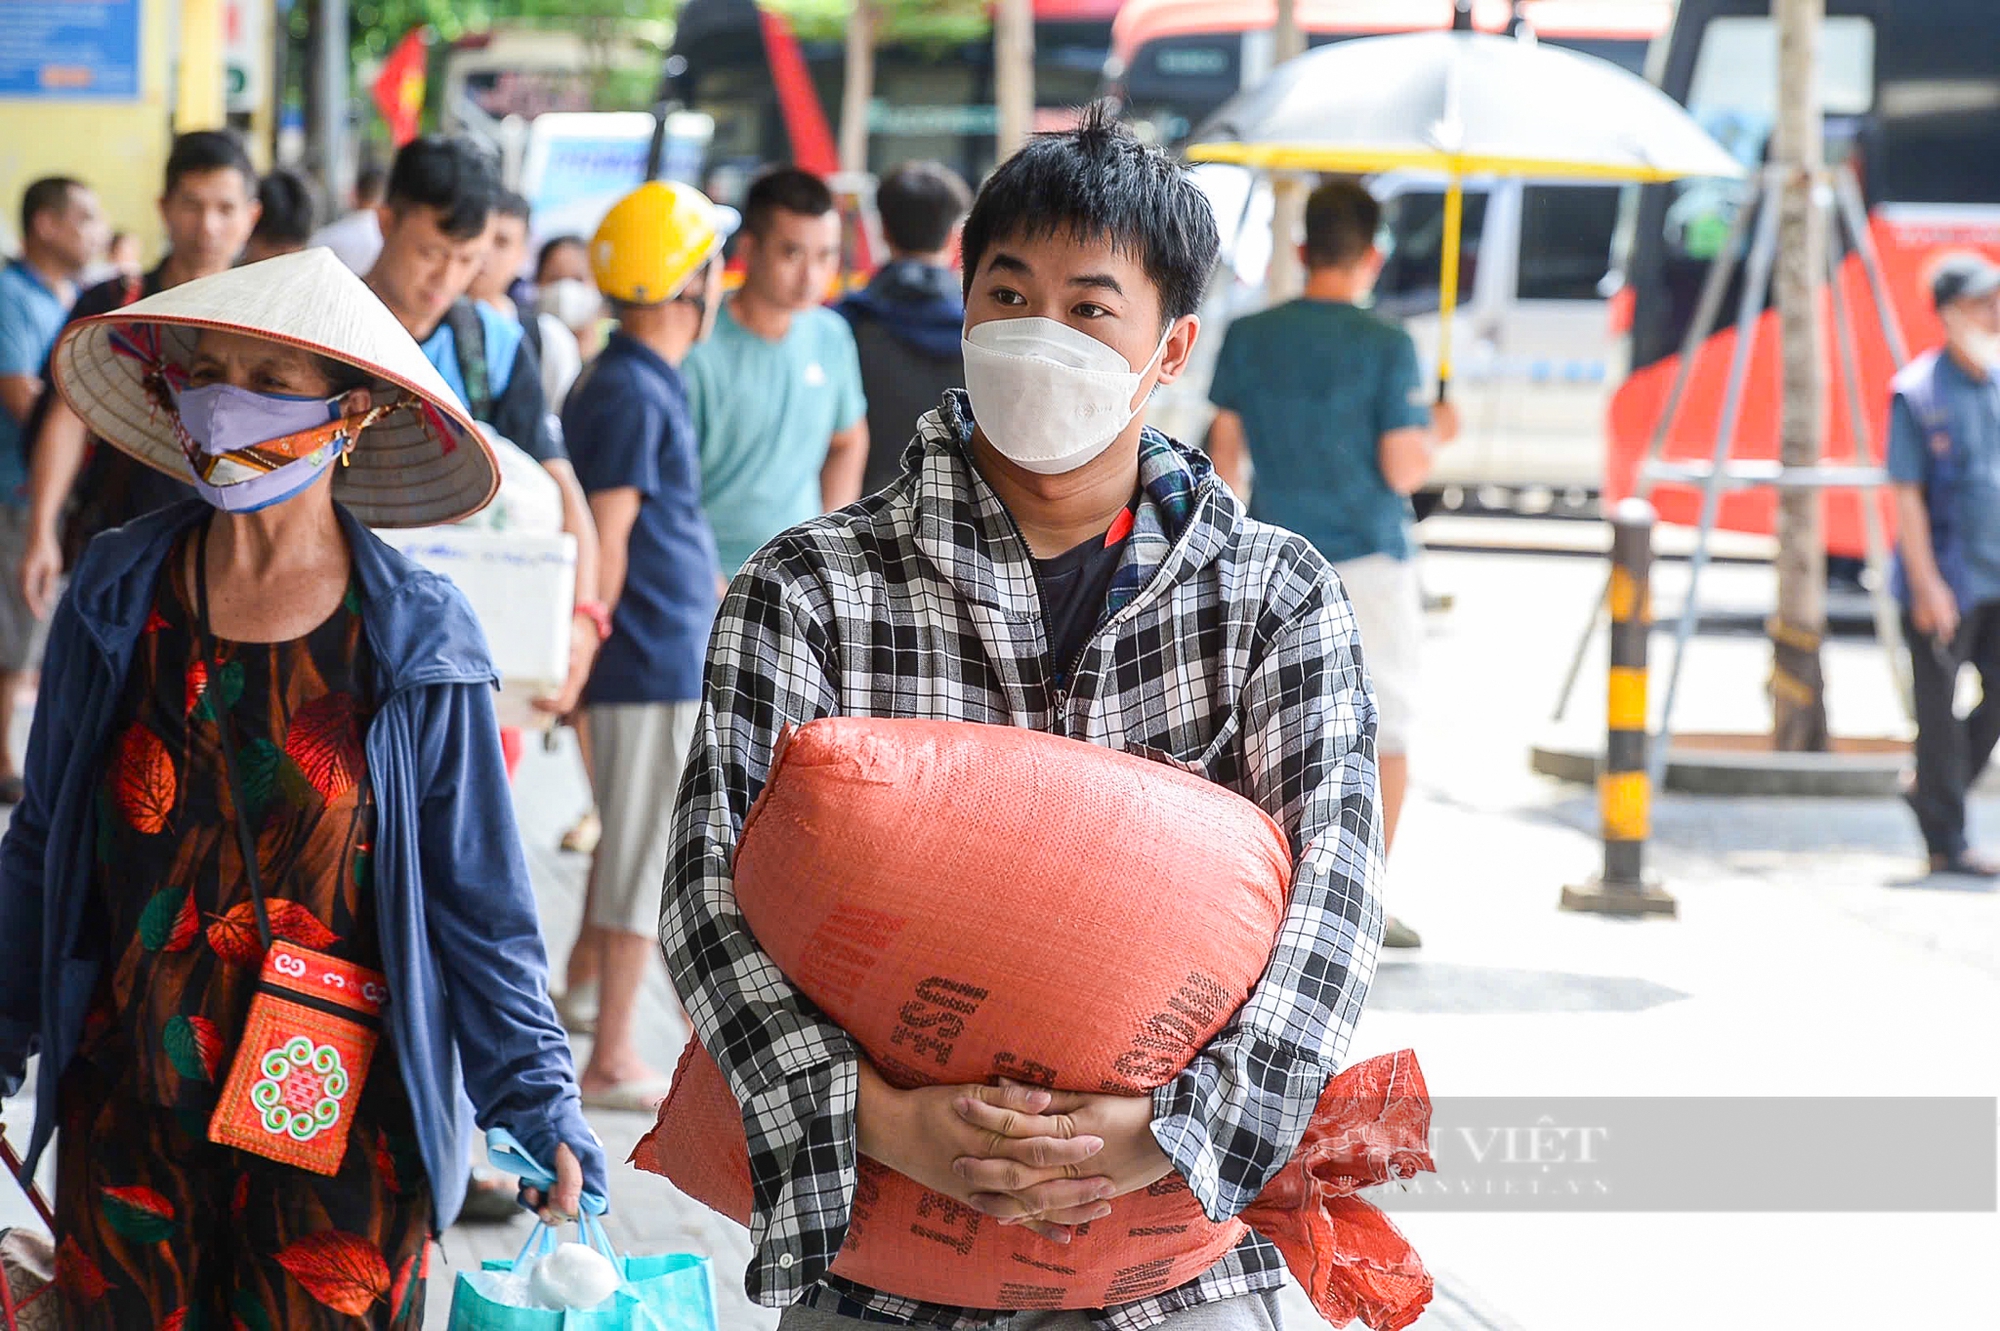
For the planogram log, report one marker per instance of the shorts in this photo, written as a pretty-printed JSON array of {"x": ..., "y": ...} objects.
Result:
[
  {"x": 1388, "y": 602},
  {"x": 20, "y": 631},
  {"x": 637, "y": 751},
  {"x": 1247, "y": 1312}
]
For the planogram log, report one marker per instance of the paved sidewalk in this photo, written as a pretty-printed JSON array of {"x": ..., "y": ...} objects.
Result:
[{"x": 1809, "y": 959}]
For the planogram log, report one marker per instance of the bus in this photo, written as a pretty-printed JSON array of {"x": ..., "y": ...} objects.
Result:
[
  {"x": 1535, "y": 369},
  {"x": 771, "y": 94},
  {"x": 1911, "y": 91}
]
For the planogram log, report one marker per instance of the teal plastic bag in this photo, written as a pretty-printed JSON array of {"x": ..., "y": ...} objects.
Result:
[
  {"x": 671, "y": 1293},
  {"x": 675, "y": 1292}
]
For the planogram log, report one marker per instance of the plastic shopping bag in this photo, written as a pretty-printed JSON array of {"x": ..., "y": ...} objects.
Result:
[
  {"x": 675, "y": 1292},
  {"x": 669, "y": 1293}
]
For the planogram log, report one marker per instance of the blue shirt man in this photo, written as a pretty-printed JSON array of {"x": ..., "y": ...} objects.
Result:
[
  {"x": 654, "y": 258},
  {"x": 62, "y": 232},
  {"x": 32, "y": 312},
  {"x": 628, "y": 420},
  {"x": 1944, "y": 467}
]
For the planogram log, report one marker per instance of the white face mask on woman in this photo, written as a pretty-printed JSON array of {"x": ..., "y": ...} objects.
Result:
[{"x": 1049, "y": 398}]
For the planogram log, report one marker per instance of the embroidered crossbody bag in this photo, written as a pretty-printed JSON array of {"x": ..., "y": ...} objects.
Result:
[{"x": 314, "y": 1019}]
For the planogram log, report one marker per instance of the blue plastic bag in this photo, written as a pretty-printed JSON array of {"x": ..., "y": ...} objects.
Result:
[{"x": 675, "y": 1292}]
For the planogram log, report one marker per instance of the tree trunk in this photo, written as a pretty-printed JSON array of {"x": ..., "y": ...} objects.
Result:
[
  {"x": 1798, "y": 688},
  {"x": 333, "y": 55},
  {"x": 857, "y": 87},
  {"x": 1286, "y": 277},
  {"x": 1014, "y": 73}
]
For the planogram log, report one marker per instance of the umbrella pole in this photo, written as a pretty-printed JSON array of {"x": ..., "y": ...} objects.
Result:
[{"x": 1454, "y": 225}]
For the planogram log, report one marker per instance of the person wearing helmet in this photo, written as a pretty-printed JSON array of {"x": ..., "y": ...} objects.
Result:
[
  {"x": 265, "y": 793},
  {"x": 655, "y": 260}
]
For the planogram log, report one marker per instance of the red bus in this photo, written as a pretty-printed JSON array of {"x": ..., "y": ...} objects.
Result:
[{"x": 1911, "y": 90}]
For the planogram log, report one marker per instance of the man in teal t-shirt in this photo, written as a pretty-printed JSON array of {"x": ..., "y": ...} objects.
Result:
[
  {"x": 775, "y": 393},
  {"x": 1326, "y": 402}
]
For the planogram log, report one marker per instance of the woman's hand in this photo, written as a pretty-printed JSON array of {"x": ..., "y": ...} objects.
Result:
[
  {"x": 1003, "y": 1172},
  {"x": 563, "y": 1203},
  {"x": 921, "y": 1134}
]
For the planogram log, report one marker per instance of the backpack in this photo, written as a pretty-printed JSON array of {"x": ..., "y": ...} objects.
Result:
[
  {"x": 469, "y": 336},
  {"x": 531, "y": 333}
]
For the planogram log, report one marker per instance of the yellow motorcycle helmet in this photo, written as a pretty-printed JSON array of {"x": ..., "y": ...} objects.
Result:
[{"x": 653, "y": 241}]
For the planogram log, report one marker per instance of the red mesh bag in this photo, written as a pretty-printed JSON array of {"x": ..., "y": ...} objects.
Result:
[{"x": 962, "y": 900}]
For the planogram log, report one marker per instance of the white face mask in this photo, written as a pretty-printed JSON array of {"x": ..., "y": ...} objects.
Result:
[
  {"x": 1978, "y": 344},
  {"x": 1047, "y": 397}
]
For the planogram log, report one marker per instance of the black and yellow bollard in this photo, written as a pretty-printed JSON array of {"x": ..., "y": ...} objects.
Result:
[{"x": 1624, "y": 791}]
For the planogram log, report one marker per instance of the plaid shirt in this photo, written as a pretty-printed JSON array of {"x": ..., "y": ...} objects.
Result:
[{"x": 1227, "y": 645}]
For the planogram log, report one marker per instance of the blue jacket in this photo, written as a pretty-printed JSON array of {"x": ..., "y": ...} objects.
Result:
[{"x": 468, "y": 1007}]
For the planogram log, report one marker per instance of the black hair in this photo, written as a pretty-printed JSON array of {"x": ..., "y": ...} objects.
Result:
[
  {"x": 370, "y": 184},
  {"x": 551, "y": 246},
  {"x": 508, "y": 203},
  {"x": 1098, "y": 182},
  {"x": 1342, "y": 218},
  {"x": 50, "y": 194},
  {"x": 205, "y": 150},
  {"x": 920, "y": 203},
  {"x": 789, "y": 188},
  {"x": 450, "y": 176},
  {"x": 287, "y": 219}
]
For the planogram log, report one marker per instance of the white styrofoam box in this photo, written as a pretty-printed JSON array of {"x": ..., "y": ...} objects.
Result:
[
  {"x": 523, "y": 590},
  {"x": 529, "y": 499}
]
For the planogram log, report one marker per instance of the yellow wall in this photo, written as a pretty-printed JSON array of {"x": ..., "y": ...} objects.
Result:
[{"x": 119, "y": 148}]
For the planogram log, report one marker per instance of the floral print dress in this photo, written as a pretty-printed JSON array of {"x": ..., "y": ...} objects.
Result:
[{"x": 158, "y": 1227}]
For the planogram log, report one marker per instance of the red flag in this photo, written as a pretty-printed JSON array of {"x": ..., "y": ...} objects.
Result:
[{"x": 399, "y": 88}]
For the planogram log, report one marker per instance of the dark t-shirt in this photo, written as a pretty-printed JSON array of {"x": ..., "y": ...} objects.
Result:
[
  {"x": 113, "y": 488},
  {"x": 1075, "y": 587},
  {"x": 627, "y": 424},
  {"x": 1318, "y": 383}
]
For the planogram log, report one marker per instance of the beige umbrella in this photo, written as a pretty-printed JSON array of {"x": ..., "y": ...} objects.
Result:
[{"x": 1460, "y": 104}]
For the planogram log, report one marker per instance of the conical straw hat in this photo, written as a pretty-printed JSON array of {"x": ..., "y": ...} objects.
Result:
[{"x": 423, "y": 463}]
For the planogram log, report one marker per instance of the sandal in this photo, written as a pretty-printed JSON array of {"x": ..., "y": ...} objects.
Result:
[{"x": 630, "y": 1097}]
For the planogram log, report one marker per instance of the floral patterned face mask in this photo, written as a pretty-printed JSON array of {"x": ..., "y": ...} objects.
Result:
[{"x": 251, "y": 450}]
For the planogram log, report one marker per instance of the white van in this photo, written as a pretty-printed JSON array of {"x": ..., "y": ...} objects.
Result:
[{"x": 1535, "y": 360}]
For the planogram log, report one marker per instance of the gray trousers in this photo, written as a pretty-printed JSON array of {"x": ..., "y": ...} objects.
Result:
[{"x": 1252, "y": 1312}]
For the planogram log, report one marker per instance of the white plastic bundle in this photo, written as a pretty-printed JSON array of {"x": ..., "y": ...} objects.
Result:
[{"x": 573, "y": 1278}]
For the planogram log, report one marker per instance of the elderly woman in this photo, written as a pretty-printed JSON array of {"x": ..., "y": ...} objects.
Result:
[{"x": 264, "y": 912}]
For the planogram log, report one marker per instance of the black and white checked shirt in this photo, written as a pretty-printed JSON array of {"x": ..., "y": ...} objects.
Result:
[{"x": 1227, "y": 645}]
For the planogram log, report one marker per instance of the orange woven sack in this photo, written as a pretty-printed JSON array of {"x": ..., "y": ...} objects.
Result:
[{"x": 971, "y": 902}]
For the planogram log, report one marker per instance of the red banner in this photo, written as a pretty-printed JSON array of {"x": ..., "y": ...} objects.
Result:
[
  {"x": 399, "y": 88},
  {"x": 798, "y": 101}
]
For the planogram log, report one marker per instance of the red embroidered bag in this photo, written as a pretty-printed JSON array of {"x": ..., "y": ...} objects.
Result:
[{"x": 314, "y": 1020}]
